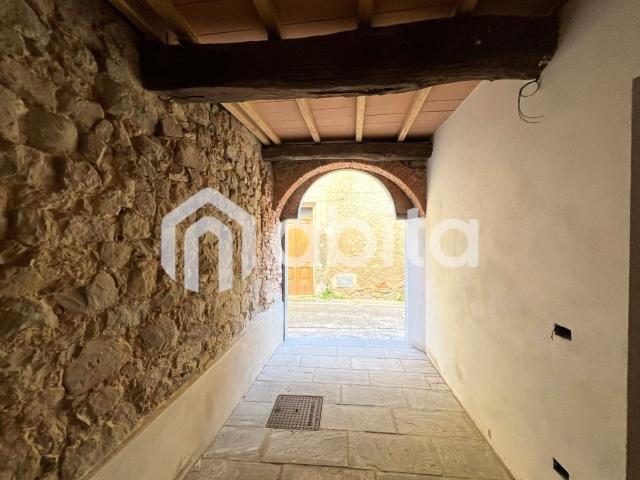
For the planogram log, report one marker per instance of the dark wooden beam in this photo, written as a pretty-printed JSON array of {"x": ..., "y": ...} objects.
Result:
[
  {"x": 361, "y": 62},
  {"x": 365, "y": 13},
  {"x": 370, "y": 152}
]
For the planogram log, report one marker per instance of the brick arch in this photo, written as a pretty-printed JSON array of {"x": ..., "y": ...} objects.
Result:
[{"x": 406, "y": 184}]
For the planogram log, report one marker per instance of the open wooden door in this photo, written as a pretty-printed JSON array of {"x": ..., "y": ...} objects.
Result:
[{"x": 300, "y": 250}]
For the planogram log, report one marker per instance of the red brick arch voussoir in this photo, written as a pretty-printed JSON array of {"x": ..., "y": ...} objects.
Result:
[{"x": 292, "y": 179}]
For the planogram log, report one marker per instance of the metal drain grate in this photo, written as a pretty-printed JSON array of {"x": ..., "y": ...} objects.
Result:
[{"x": 296, "y": 412}]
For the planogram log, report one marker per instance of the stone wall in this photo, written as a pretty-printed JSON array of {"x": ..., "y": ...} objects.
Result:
[
  {"x": 353, "y": 211},
  {"x": 94, "y": 334}
]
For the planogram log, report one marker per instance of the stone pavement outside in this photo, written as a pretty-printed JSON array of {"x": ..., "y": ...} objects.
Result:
[
  {"x": 387, "y": 415},
  {"x": 355, "y": 318}
]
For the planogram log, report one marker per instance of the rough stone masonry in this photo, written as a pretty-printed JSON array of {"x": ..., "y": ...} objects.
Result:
[{"x": 95, "y": 335}]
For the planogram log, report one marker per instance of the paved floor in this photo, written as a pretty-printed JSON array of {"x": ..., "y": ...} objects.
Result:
[
  {"x": 358, "y": 318},
  {"x": 387, "y": 415}
]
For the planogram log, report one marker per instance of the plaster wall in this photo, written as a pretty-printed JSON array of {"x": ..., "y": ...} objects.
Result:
[{"x": 552, "y": 201}]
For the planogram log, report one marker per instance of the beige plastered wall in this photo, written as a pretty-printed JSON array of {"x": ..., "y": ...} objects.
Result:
[{"x": 552, "y": 201}]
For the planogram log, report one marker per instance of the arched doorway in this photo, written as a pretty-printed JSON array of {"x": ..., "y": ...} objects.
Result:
[
  {"x": 405, "y": 183},
  {"x": 345, "y": 264}
]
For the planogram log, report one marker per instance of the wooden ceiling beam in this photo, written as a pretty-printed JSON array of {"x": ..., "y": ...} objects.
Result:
[
  {"x": 269, "y": 18},
  {"x": 344, "y": 151},
  {"x": 258, "y": 120},
  {"x": 307, "y": 115},
  {"x": 360, "y": 62},
  {"x": 361, "y": 105},
  {"x": 555, "y": 9},
  {"x": 240, "y": 114},
  {"x": 365, "y": 13},
  {"x": 465, "y": 7},
  {"x": 140, "y": 20},
  {"x": 416, "y": 106},
  {"x": 174, "y": 19}
]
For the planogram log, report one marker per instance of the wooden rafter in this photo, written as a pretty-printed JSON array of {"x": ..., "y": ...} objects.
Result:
[
  {"x": 140, "y": 20},
  {"x": 365, "y": 12},
  {"x": 466, "y": 7},
  {"x": 260, "y": 123},
  {"x": 474, "y": 48},
  {"x": 555, "y": 9},
  {"x": 174, "y": 19},
  {"x": 368, "y": 151},
  {"x": 361, "y": 103},
  {"x": 243, "y": 118},
  {"x": 307, "y": 115},
  {"x": 416, "y": 105},
  {"x": 269, "y": 18}
]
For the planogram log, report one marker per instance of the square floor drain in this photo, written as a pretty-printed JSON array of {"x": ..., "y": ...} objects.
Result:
[{"x": 296, "y": 412}]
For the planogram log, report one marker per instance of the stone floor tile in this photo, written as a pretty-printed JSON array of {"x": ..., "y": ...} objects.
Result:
[
  {"x": 251, "y": 414},
  {"x": 437, "y": 383},
  {"x": 226, "y": 470},
  {"x": 386, "y": 364},
  {"x": 361, "y": 352},
  {"x": 419, "y": 366},
  {"x": 335, "y": 375},
  {"x": 357, "y": 418},
  {"x": 284, "y": 360},
  {"x": 299, "y": 472},
  {"x": 315, "y": 349},
  {"x": 269, "y": 391},
  {"x": 393, "y": 453},
  {"x": 304, "y": 340},
  {"x": 431, "y": 400},
  {"x": 440, "y": 386},
  {"x": 323, "y": 447},
  {"x": 398, "y": 379},
  {"x": 263, "y": 392},
  {"x": 404, "y": 353},
  {"x": 466, "y": 458},
  {"x": 435, "y": 424},
  {"x": 237, "y": 443},
  {"x": 285, "y": 349},
  {"x": 325, "y": 361},
  {"x": 365, "y": 395},
  {"x": 409, "y": 476},
  {"x": 386, "y": 342},
  {"x": 346, "y": 341},
  {"x": 285, "y": 374},
  {"x": 329, "y": 392}
]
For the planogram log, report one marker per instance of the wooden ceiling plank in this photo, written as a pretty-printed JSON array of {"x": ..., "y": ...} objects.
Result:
[
  {"x": 367, "y": 151},
  {"x": 239, "y": 113},
  {"x": 556, "y": 7},
  {"x": 260, "y": 122},
  {"x": 473, "y": 48},
  {"x": 465, "y": 7},
  {"x": 139, "y": 20},
  {"x": 174, "y": 19},
  {"x": 307, "y": 115},
  {"x": 269, "y": 18},
  {"x": 414, "y": 110},
  {"x": 365, "y": 13},
  {"x": 361, "y": 105}
]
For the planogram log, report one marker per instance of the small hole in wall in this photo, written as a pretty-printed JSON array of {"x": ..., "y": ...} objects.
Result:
[
  {"x": 560, "y": 470},
  {"x": 562, "y": 332},
  {"x": 489, "y": 434}
]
